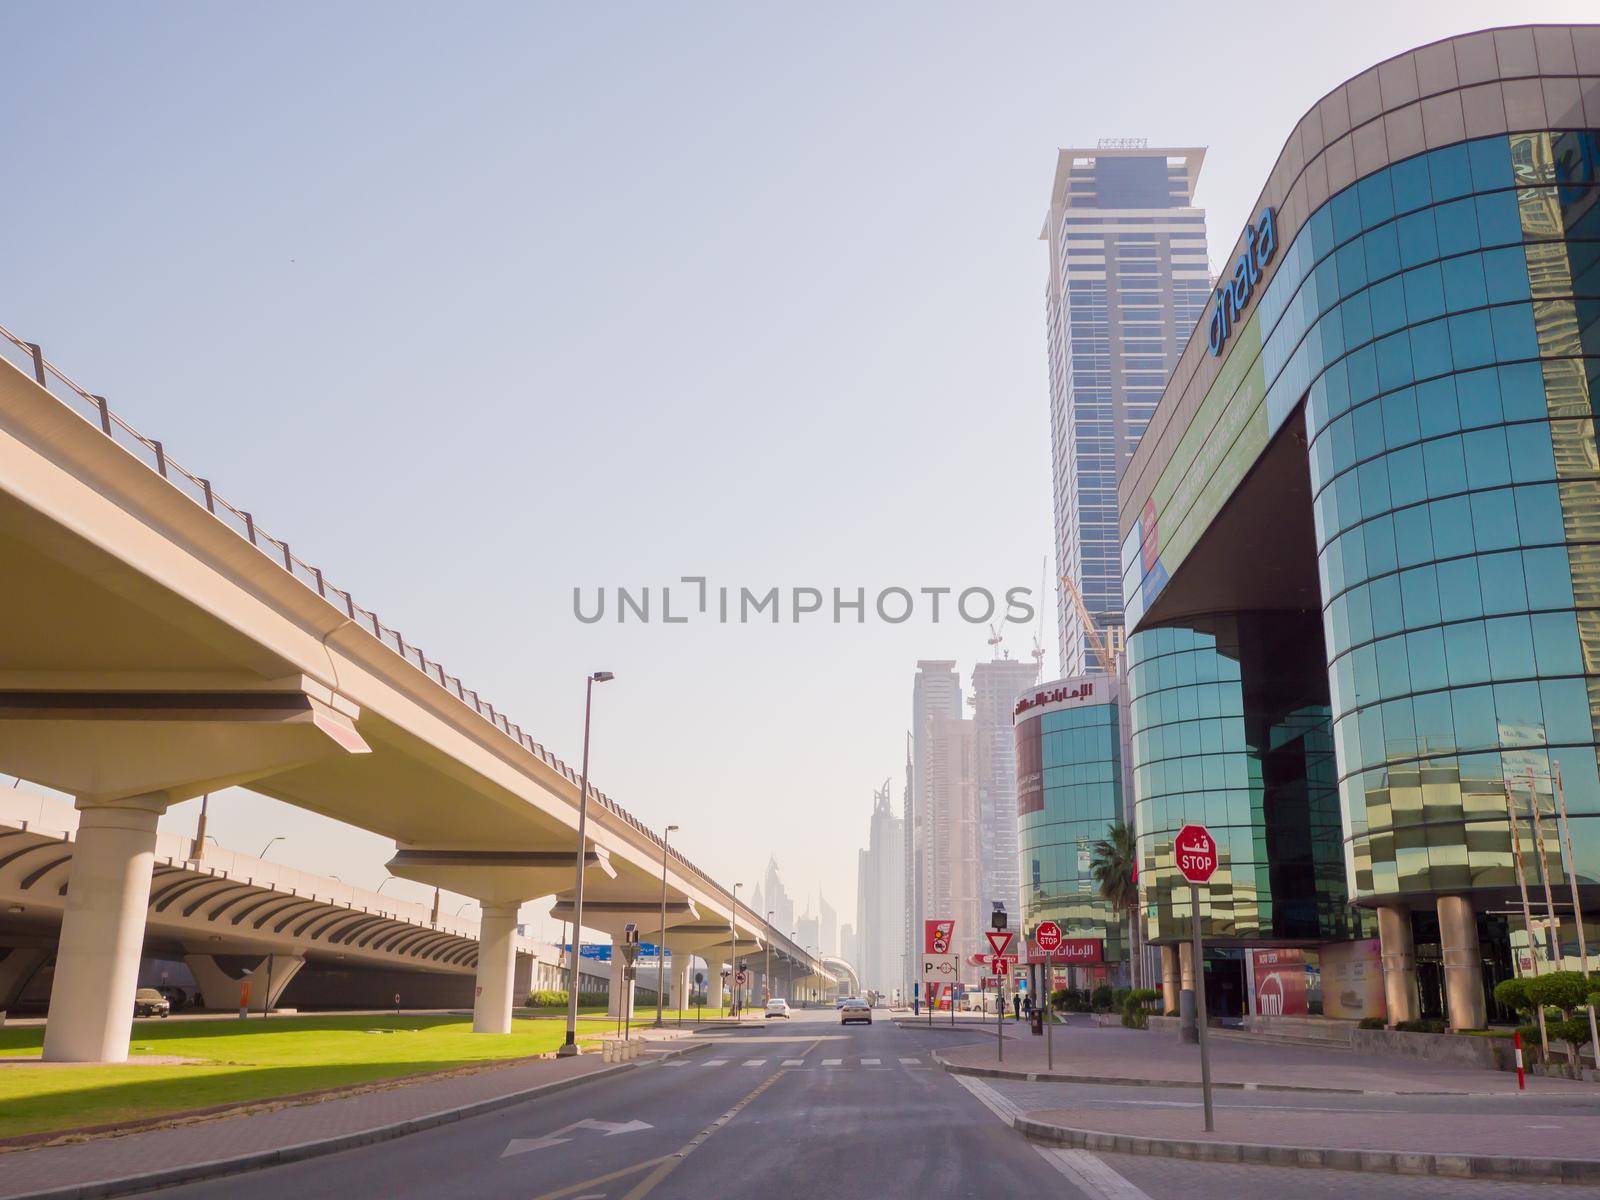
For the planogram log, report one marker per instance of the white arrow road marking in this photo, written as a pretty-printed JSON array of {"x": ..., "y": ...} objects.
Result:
[{"x": 608, "y": 1128}]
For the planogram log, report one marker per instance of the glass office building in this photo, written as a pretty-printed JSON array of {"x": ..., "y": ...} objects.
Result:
[
  {"x": 1070, "y": 754},
  {"x": 1409, "y": 345}
]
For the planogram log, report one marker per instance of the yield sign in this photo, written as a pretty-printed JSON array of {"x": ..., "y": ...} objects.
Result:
[
  {"x": 999, "y": 940},
  {"x": 608, "y": 1128}
]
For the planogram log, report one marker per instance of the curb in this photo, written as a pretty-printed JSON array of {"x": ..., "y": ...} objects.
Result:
[
  {"x": 1391, "y": 1162},
  {"x": 300, "y": 1151},
  {"x": 1115, "y": 1081}
]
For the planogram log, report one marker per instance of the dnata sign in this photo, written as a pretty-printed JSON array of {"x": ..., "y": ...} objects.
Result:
[{"x": 1261, "y": 243}]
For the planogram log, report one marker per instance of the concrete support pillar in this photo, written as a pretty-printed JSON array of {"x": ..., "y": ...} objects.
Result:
[
  {"x": 679, "y": 977},
  {"x": 1399, "y": 963},
  {"x": 102, "y": 931},
  {"x": 1169, "y": 979},
  {"x": 219, "y": 990},
  {"x": 497, "y": 968},
  {"x": 1463, "y": 972},
  {"x": 714, "y": 985},
  {"x": 619, "y": 998},
  {"x": 17, "y": 970}
]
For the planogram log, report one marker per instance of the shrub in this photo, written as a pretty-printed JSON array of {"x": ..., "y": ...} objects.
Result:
[
  {"x": 1136, "y": 1007},
  {"x": 1565, "y": 990},
  {"x": 557, "y": 998},
  {"x": 1513, "y": 993},
  {"x": 1370, "y": 1023},
  {"x": 1172, "y": 1012},
  {"x": 1100, "y": 998},
  {"x": 1119, "y": 998},
  {"x": 1426, "y": 1025}
]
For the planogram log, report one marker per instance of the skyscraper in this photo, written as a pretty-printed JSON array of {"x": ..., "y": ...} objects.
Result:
[
  {"x": 1129, "y": 280},
  {"x": 880, "y": 899},
  {"x": 935, "y": 694},
  {"x": 995, "y": 687},
  {"x": 827, "y": 926},
  {"x": 951, "y": 883},
  {"x": 776, "y": 898}
]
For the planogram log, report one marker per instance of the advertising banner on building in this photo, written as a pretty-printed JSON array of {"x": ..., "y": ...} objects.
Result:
[
  {"x": 1352, "y": 980},
  {"x": 1070, "y": 952},
  {"x": 937, "y": 936},
  {"x": 1281, "y": 984}
]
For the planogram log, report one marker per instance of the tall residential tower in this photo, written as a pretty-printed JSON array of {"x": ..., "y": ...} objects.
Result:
[{"x": 1128, "y": 281}]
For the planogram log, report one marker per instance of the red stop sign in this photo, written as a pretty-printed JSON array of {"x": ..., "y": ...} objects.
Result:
[
  {"x": 1196, "y": 852},
  {"x": 1047, "y": 936}
]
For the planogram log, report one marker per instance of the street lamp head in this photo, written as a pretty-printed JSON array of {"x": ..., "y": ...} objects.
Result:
[
  {"x": 602, "y": 677},
  {"x": 672, "y": 829}
]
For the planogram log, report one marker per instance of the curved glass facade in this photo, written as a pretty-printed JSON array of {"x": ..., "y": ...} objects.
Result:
[
  {"x": 1457, "y": 500},
  {"x": 1231, "y": 728},
  {"x": 1069, "y": 789}
]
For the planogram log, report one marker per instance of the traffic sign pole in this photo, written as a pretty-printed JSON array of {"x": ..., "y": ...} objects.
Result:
[{"x": 1200, "y": 1006}]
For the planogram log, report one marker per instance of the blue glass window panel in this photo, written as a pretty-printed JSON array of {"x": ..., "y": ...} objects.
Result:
[
  {"x": 1368, "y": 422},
  {"x": 1437, "y": 411},
  {"x": 1425, "y": 654},
  {"x": 1413, "y": 532},
  {"x": 1362, "y": 371},
  {"x": 1394, "y": 360},
  {"x": 1356, "y": 321},
  {"x": 1407, "y": 480},
  {"x": 1532, "y": 455},
  {"x": 1379, "y": 537},
  {"x": 1471, "y": 341},
  {"x": 1342, "y": 441},
  {"x": 1435, "y": 722},
  {"x": 1519, "y": 714},
  {"x": 1490, "y": 159},
  {"x": 1374, "y": 484},
  {"x": 1473, "y": 709},
  {"x": 1452, "y": 529},
  {"x": 1511, "y": 647},
  {"x": 1377, "y": 199},
  {"x": 1501, "y": 583},
  {"x": 1346, "y": 207},
  {"x": 1388, "y": 303},
  {"x": 1457, "y": 224},
  {"x": 1499, "y": 222},
  {"x": 1383, "y": 251},
  {"x": 1394, "y": 673},
  {"x": 1555, "y": 643},
  {"x": 1419, "y": 597},
  {"x": 1424, "y": 293},
  {"x": 1328, "y": 337},
  {"x": 1445, "y": 465},
  {"x": 1566, "y": 710},
  {"x": 1488, "y": 463},
  {"x": 1539, "y": 515},
  {"x": 1383, "y": 596},
  {"x": 1466, "y": 653},
  {"x": 1450, "y": 172},
  {"x": 1505, "y": 274},
  {"x": 1522, "y": 391},
  {"x": 1411, "y": 185},
  {"x": 1464, "y": 285},
  {"x": 1365, "y": 673},
  {"x": 1459, "y": 596},
  {"x": 1400, "y": 426},
  {"x": 1352, "y": 265},
  {"x": 1419, "y": 238},
  {"x": 1430, "y": 350},
  {"x": 1478, "y": 396},
  {"x": 1494, "y": 519},
  {"x": 1514, "y": 335},
  {"x": 1321, "y": 230}
]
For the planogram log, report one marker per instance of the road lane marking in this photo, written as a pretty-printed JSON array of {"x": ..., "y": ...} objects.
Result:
[
  {"x": 990, "y": 1099},
  {"x": 715, "y": 1062},
  {"x": 794, "y": 1062},
  {"x": 872, "y": 1062},
  {"x": 755, "y": 1062},
  {"x": 1091, "y": 1175},
  {"x": 910, "y": 1062},
  {"x": 623, "y": 1173},
  {"x": 832, "y": 1062},
  {"x": 606, "y": 1128}
]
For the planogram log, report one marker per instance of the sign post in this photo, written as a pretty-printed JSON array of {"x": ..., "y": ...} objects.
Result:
[
  {"x": 1047, "y": 936},
  {"x": 999, "y": 942},
  {"x": 937, "y": 934},
  {"x": 1196, "y": 852}
]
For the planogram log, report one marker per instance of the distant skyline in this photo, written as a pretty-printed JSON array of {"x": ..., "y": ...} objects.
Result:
[{"x": 478, "y": 312}]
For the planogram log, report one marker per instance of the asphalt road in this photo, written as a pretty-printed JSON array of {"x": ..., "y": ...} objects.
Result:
[{"x": 790, "y": 1110}]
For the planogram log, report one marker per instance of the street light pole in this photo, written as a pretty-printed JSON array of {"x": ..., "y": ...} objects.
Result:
[
  {"x": 570, "y": 1046},
  {"x": 268, "y": 846},
  {"x": 766, "y": 971},
  {"x": 661, "y": 941},
  {"x": 733, "y": 936}
]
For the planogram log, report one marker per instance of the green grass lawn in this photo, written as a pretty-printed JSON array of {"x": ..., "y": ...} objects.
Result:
[{"x": 251, "y": 1060}]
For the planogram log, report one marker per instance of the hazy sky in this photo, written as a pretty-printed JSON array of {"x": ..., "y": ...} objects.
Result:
[{"x": 475, "y": 304}]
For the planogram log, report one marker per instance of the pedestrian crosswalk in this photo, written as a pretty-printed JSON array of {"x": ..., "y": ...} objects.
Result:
[{"x": 829, "y": 1064}]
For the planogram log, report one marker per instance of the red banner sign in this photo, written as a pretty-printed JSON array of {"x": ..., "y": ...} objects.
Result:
[
  {"x": 936, "y": 936},
  {"x": 1280, "y": 978}
]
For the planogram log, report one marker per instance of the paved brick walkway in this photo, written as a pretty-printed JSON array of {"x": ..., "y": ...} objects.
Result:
[
  {"x": 1114, "y": 1053},
  {"x": 26, "y": 1171}
]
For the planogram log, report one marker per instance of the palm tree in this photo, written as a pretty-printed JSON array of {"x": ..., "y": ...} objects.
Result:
[{"x": 1114, "y": 865}]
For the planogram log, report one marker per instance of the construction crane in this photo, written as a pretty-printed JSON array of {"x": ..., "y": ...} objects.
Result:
[
  {"x": 1106, "y": 643},
  {"x": 1038, "y": 632}
]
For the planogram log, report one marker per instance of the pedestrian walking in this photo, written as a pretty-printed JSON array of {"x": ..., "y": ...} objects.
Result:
[{"x": 1016, "y": 1007}]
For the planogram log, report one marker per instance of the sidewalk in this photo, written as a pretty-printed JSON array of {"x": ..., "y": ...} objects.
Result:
[
  {"x": 1090, "y": 1054},
  {"x": 287, "y": 1131}
]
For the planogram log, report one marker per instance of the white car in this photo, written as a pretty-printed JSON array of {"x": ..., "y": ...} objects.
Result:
[{"x": 777, "y": 1008}]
